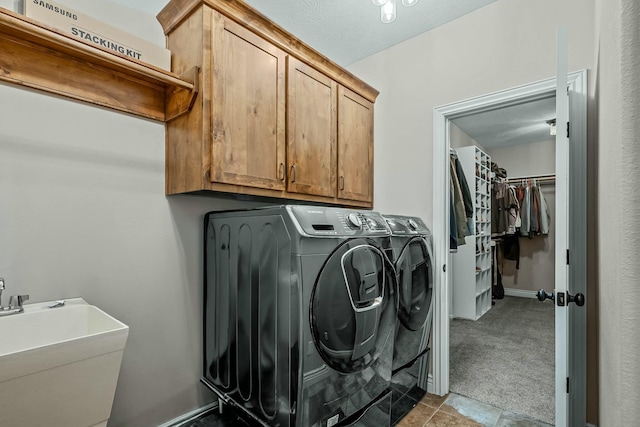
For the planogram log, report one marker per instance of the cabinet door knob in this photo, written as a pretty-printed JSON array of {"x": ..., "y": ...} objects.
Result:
[
  {"x": 342, "y": 182},
  {"x": 282, "y": 171},
  {"x": 293, "y": 173}
]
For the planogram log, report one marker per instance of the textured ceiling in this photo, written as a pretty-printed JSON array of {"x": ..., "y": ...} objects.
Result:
[
  {"x": 519, "y": 124},
  {"x": 347, "y": 30}
]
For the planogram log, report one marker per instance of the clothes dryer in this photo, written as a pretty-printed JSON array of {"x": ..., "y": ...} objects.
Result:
[
  {"x": 411, "y": 249},
  {"x": 300, "y": 315}
]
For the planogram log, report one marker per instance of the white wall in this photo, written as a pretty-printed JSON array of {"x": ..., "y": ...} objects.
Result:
[
  {"x": 618, "y": 91},
  {"x": 83, "y": 213},
  {"x": 505, "y": 44}
]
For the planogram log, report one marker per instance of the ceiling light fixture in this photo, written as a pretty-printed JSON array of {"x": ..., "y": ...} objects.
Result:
[
  {"x": 388, "y": 9},
  {"x": 388, "y": 12}
]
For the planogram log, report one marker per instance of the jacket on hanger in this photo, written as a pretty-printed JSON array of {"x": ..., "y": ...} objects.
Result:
[{"x": 458, "y": 204}]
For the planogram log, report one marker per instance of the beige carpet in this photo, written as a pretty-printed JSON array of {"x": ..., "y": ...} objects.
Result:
[{"x": 507, "y": 357}]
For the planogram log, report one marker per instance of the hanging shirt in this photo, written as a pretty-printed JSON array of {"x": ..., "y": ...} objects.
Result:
[
  {"x": 525, "y": 209},
  {"x": 514, "y": 211},
  {"x": 466, "y": 196},
  {"x": 499, "y": 208},
  {"x": 534, "y": 227},
  {"x": 453, "y": 228},
  {"x": 545, "y": 217},
  {"x": 458, "y": 205}
]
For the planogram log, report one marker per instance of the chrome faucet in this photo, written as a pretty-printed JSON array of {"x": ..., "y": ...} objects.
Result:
[{"x": 15, "y": 302}]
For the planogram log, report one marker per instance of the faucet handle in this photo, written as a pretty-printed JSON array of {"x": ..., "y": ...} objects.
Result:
[{"x": 16, "y": 301}]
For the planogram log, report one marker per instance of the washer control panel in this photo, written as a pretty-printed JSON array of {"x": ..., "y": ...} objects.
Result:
[
  {"x": 332, "y": 222},
  {"x": 354, "y": 221}
]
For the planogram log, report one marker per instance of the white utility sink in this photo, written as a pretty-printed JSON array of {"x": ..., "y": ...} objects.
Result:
[{"x": 59, "y": 366}]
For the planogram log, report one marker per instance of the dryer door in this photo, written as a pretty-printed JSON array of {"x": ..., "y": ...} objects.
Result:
[
  {"x": 415, "y": 283},
  {"x": 351, "y": 313}
]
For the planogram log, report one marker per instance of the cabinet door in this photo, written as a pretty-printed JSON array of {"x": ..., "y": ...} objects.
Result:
[
  {"x": 355, "y": 146},
  {"x": 248, "y": 108},
  {"x": 312, "y": 123}
]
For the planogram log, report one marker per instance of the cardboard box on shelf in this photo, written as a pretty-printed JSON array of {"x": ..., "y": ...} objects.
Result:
[{"x": 95, "y": 32}]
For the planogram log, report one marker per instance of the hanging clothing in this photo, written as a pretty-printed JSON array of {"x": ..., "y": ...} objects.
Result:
[
  {"x": 545, "y": 217},
  {"x": 505, "y": 209},
  {"x": 453, "y": 229},
  {"x": 511, "y": 248},
  {"x": 497, "y": 288},
  {"x": 466, "y": 196},
  {"x": 458, "y": 204},
  {"x": 534, "y": 217},
  {"x": 514, "y": 220},
  {"x": 525, "y": 215},
  {"x": 534, "y": 227}
]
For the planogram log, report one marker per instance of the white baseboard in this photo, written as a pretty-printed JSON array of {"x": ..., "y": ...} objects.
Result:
[
  {"x": 520, "y": 293},
  {"x": 190, "y": 416}
]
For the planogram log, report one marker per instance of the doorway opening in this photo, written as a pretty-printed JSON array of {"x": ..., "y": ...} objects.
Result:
[
  {"x": 443, "y": 117},
  {"x": 501, "y": 337}
]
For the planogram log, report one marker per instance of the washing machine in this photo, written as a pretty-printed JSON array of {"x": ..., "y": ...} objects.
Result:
[
  {"x": 300, "y": 314},
  {"x": 410, "y": 248}
]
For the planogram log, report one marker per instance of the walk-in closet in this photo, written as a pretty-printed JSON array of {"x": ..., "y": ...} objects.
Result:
[{"x": 502, "y": 252}]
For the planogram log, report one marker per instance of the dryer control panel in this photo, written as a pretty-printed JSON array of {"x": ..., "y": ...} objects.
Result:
[
  {"x": 333, "y": 222},
  {"x": 401, "y": 225}
]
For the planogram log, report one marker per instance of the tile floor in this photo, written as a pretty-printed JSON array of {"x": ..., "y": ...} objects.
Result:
[{"x": 454, "y": 410}]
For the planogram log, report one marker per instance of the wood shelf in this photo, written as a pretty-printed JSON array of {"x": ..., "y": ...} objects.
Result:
[{"x": 37, "y": 56}]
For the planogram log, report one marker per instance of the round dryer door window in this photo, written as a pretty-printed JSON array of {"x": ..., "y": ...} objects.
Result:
[
  {"x": 415, "y": 283},
  {"x": 351, "y": 312}
]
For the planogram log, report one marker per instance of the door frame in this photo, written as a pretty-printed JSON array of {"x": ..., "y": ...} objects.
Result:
[{"x": 442, "y": 116}]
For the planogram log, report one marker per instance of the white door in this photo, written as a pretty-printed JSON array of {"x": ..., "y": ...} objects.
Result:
[
  {"x": 562, "y": 230},
  {"x": 570, "y": 283}
]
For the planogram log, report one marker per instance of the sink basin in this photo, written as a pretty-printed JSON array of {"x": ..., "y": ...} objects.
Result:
[{"x": 59, "y": 366}]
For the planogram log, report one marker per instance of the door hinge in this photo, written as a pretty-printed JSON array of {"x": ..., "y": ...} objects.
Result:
[
  {"x": 568, "y": 129},
  {"x": 567, "y": 385},
  {"x": 567, "y": 256}
]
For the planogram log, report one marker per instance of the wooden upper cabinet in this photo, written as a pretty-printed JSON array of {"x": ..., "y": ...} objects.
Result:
[
  {"x": 355, "y": 146},
  {"x": 248, "y": 143},
  {"x": 312, "y": 124},
  {"x": 273, "y": 117}
]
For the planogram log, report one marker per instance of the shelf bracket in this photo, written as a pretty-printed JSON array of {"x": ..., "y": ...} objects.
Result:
[{"x": 179, "y": 100}]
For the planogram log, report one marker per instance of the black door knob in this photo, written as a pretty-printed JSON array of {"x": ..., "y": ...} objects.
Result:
[
  {"x": 543, "y": 295},
  {"x": 578, "y": 299}
]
